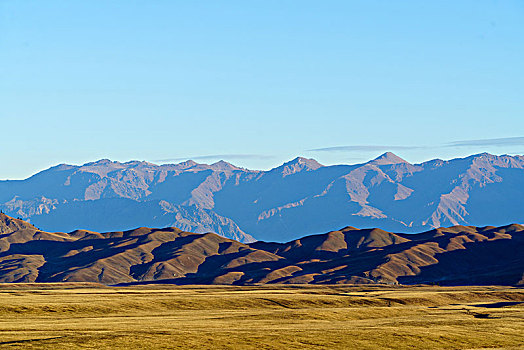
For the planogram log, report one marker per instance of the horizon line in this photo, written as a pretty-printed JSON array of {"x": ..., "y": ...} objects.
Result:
[{"x": 189, "y": 159}]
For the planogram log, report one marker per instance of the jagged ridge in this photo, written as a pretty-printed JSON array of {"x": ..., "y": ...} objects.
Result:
[{"x": 297, "y": 198}]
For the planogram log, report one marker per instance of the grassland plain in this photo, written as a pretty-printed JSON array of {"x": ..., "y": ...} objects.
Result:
[{"x": 66, "y": 316}]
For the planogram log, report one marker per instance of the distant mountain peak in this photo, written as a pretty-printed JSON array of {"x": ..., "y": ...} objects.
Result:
[
  {"x": 137, "y": 163},
  {"x": 100, "y": 162},
  {"x": 482, "y": 155},
  {"x": 102, "y": 167},
  {"x": 309, "y": 162},
  {"x": 187, "y": 164},
  {"x": 387, "y": 159},
  {"x": 297, "y": 165},
  {"x": 63, "y": 166},
  {"x": 106, "y": 162},
  {"x": 223, "y": 165}
]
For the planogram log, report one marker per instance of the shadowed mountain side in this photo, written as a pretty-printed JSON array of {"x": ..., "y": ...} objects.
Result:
[
  {"x": 122, "y": 213},
  {"x": 454, "y": 255}
]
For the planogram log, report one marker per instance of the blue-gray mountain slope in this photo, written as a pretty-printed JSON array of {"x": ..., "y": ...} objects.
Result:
[{"x": 297, "y": 198}]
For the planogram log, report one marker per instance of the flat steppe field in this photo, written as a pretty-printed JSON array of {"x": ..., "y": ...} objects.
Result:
[{"x": 65, "y": 316}]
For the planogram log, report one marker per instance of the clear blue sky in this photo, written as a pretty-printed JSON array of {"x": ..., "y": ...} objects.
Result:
[{"x": 257, "y": 82}]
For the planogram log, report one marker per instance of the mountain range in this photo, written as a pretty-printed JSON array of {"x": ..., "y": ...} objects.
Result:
[
  {"x": 300, "y": 197},
  {"x": 456, "y": 255}
]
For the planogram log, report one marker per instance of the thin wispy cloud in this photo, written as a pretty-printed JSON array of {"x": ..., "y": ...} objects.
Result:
[
  {"x": 217, "y": 156},
  {"x": 506, "y": 141},
  {"x": 501, "y": 142},
  {"x": 364, "y": 148}
]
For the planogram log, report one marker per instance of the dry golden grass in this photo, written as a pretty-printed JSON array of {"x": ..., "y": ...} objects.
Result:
[{"x": 260, "y": 317}]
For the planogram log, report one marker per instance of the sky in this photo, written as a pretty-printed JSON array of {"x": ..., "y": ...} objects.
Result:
[{"x": 257, "y": 83}]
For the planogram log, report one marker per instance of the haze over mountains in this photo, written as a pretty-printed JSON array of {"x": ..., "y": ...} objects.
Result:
[
  {"x": 298, "y": 198},
  {"x": 449, "y": 256}
]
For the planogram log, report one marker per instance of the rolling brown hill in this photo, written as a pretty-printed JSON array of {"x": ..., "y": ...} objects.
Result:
[{"x": 456, "y": 255}]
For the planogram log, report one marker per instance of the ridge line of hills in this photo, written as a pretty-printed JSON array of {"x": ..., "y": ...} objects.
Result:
[{"x": 458, "y": 255}]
